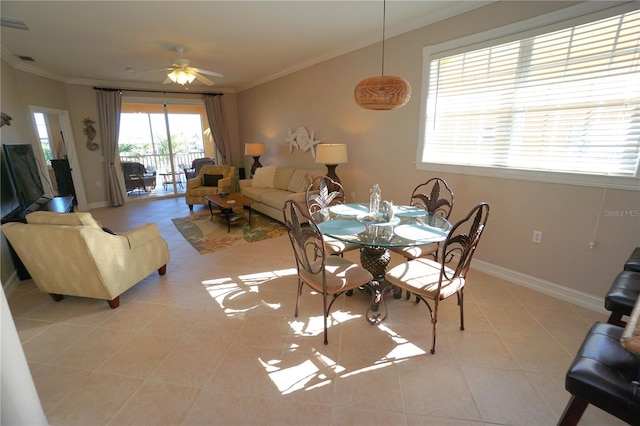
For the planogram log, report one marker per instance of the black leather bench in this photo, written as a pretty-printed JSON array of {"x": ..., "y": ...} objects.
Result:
[
  {"x": 622, "y": 296},
  {"x": 603, "y": 374},
  {"x": 633, "y": 263}
]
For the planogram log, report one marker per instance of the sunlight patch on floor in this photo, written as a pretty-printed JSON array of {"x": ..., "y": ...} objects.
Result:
[{"x": 308, "y": 375}]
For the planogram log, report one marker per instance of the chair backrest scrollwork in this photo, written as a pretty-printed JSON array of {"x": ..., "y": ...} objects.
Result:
[
  {"x": 306, "y": 239},
  {"x": 462, "y": 241},
  {"x": 434, "y": 196},
  {"x": 322, "y": 193}
]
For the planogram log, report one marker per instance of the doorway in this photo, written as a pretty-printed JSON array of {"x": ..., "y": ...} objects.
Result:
[
  {"x": 57, "y": 125},
  {"x": 165, "y": 138}
]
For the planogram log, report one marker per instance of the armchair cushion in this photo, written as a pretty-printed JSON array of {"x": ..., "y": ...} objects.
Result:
[{"x": 211, "y": 180}]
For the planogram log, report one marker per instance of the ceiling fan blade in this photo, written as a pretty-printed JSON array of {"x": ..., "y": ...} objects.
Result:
[
  {"x": 157, "y": 70},
  {"x": 213, "y": 73},
  {"x": 204, "y": 79}
]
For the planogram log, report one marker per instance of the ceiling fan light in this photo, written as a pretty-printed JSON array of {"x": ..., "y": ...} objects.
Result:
[
  {"x": 181, "y": 77},
  {"x": 383, "y": 92}
]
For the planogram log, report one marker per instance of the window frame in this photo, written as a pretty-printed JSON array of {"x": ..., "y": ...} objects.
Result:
[{"x": 565, "y": 18}]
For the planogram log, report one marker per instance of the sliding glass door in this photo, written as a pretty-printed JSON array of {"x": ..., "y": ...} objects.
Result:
[{"x": 165, "y": 138}]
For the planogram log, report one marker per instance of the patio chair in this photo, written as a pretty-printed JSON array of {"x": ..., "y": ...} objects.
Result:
[
  {"x": 196, "y": 165},
  {"x": 136, "y": 177}
]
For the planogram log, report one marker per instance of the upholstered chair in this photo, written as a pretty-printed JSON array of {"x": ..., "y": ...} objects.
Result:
[
  {"x": 70, "y": 254},
  {"x": 211, "y": 180}
]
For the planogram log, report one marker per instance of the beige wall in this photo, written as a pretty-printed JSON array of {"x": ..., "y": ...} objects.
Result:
[{"x": 382, "y": 149}]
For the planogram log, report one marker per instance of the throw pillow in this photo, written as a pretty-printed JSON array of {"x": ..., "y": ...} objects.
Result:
[
  {"x": 264, "y": 177},
  {"x": 296, "y": 179},
  {"x": 304, "y": 183},
  {"x": 211, "y": 180}
]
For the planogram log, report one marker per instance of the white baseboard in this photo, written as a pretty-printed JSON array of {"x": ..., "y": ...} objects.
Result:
[{"x": 564, "y": 293}]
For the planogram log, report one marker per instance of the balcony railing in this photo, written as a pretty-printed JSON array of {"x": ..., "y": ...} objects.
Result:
[{"x": 161, "y": 162}]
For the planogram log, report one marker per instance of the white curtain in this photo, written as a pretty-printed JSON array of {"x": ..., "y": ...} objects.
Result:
[
  {"x": 109, "y": 107},
  {"x": 218, "y": 126}
]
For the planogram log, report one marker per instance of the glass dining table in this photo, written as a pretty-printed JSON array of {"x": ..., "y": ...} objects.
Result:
[{"x": 408, "y": 226}]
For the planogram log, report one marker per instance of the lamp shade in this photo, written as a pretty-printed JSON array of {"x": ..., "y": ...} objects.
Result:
[
  {"x": 331, "y": 153},
  {"x": 254, "y": 149},
  {"x": 384, "y": 92}
]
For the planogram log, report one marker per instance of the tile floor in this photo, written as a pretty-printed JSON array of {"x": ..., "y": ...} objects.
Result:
[{"x": 214, "y": 342}]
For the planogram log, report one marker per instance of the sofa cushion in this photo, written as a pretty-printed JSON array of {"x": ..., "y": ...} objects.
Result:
[
  {"x": 283, "y": 177},
  {"x": 264, "y": 177},
  {"x": 211, "y": 180},
  {"x": 256, "y": 193},
  {"x": 275, "y": 199}
]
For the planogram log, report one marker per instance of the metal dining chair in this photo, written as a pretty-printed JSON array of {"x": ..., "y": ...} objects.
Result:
[
  {"x": 324, "y": 192},
  {"x": 437, "y": 280},
  {"x": 436, "y": 197},
  {"x": 327, "y": 275}
]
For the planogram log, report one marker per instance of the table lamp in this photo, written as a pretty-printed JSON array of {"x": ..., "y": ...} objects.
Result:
[
  {"x": 255, "y": 150},
  {"x": 331, "y": 154}
]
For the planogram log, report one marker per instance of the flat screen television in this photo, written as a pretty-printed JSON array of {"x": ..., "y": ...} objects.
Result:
[
  {"x": 24, "y": 174},
  {"x": 9, "y": 204}
]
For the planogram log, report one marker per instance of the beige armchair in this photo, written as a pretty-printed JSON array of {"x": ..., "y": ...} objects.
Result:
[
  {"x": 219, "y": 179},
  {"x": 70, "y": 254}
]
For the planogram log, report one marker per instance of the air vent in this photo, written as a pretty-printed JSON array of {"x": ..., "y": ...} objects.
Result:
[
  {"x": 26, "y": 58},
  {"x": 13, "y": 23}
]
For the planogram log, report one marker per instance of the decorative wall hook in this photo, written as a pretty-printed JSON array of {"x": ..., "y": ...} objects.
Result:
[
  {"x": 90, "y": 133},
  {"x": 5, "y": 120}
]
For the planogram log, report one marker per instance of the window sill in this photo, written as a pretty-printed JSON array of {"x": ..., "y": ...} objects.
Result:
[{"x": 598, "y": 181}]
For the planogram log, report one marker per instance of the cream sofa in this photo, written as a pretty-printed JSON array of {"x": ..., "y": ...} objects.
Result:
[
  {"x": 70, "y": 254},
  {"x": 273, "y": 185}
]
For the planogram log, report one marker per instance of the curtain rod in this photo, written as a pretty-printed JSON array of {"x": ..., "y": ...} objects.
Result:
[{"x": 109, "y": 89}]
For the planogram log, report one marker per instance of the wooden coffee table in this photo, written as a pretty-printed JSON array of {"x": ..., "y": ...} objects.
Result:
[{"x": 227, "y": 203}]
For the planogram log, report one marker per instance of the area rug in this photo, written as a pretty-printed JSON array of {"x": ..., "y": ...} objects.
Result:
[{"x": 208, "y": 235}]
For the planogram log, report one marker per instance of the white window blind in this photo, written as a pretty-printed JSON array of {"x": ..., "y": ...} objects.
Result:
[{"x": 566, "y": 101}]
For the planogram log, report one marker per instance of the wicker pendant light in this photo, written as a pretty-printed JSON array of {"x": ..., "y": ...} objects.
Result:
[{"x": 383, "y": 92}]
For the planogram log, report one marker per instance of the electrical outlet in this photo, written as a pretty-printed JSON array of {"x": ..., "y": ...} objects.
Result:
[
  {"x": 353, "y": 195},
  {"x": 537, "y": 236}
]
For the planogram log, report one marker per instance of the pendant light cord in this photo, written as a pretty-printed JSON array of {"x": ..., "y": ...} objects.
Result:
[{"x": 384, "y": 22}]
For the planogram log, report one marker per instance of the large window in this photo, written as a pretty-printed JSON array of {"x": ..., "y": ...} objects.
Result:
[{"x": 564, "y": 101}]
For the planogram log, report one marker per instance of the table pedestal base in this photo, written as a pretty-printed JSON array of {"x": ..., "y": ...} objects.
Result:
[{"x": 376, "y": 260}]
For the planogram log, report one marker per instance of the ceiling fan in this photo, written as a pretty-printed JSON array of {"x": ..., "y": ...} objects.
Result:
[{"x": 182, "y": 73}]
